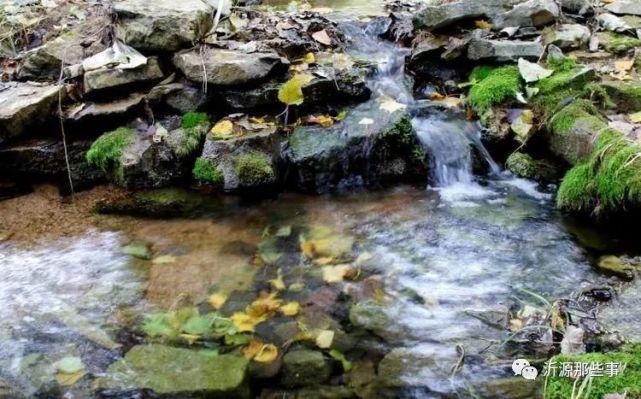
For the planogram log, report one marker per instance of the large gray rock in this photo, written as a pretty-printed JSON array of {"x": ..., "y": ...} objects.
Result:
[
  {"x": 503, "y": 51},
  {"x": 178, "y": 372},
  {"x": 442, "y": 15},
  {"x": 370, "y": 146},
  {"x": 247, "y": 161},
  {"x": 530, "y": 13},
  {"x": 228, "y": 67},
  {"x": 568, "y": 36},
  {"x": 162, "y": 25},
  {"x": 112, "y": 78},
  {"x": 25, "y": 105},
  {"x": 629, "y": 7}
]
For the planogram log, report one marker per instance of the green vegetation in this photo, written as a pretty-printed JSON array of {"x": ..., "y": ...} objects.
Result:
[
  {"x": 609, "y": 181},
  {"x": 562, "y": 64},
  {"x": 618, "y": 43},
  {"x": 627, "y": 381},
  {"x": 493, "y": 87},
  {"x": 569, "y": 82},
  {"x": 194, "y": 119},
  {"x": 105, "y": 152},
  {"x": 563, "y": 121},
  {"x": 626, "y": 96},
  {"x": 254, "y": 169},
  {"x": 207, "y": 172},
  {"x": 523, "y": 165}
]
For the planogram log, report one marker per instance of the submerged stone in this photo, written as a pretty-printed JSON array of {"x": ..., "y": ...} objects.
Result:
[
  {"x": 166, "y": 202},
  {"x": 616, "y": 266},
  {"x": 304, "y": 368},
  {"x": 175, "y": 371}
]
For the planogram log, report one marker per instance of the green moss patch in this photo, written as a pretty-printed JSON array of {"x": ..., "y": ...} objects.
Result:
[
  {"x": 105, "y": 152},
  {"x": 523, "y": 165},
  {"x": 193, "y": 119},
  {"x": 563, "y": 121},
  {"x": 206, "y": 172},
  {"x": 626, "y": 381},
  {"x": 618, "y": 43},
  {"x": 608, "y": 182},
  {"x": 493, "y": 87},
  {"x": 253, "y": 169}
]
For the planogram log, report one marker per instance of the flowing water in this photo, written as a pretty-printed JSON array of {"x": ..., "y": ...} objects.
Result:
[{"x": 465, "y": 246}]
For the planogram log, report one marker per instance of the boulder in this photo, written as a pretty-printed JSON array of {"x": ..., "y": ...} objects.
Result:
[
  {"x": 304, "y": 368},
  {"x": 162, "y": 25},
  {"x": 568, "y": 36},
  {"x": 530, "y": 13},
  {"x": 25, "y": 105},
  {"x": 370, "y": 146},
  {"x": 504, "y": 51},
  {"x": 178, "y": 97},
  {"x": 628, "y": 7},
  {"x": 177, "y": 372},
  {"x": 106, "y": 78},
  {"x": 440, "y": 16},
  {"x": 223, "y": 67},
  {"x": 244, "y": 162}
]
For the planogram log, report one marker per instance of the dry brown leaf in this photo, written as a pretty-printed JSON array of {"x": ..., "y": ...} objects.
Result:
[{"x": 322, "y": 37}]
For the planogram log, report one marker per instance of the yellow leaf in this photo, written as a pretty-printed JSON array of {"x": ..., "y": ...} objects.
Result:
[
  {"x": 255, "y": 119},
  {"x": 390, "y": 105},
  {"x": 251, "y": 350},
  {"x": 335, "y": 274},
  {"x": 322, "y": 37},
  {"x": 268, "y": 353},
  {"x": 278, "y": 283},
  {"x": 481, "y": 24},
  {"x": 324, "y": 261},
  {"x": 190, "y": 338},
  {"x": 309, "y": 58},
  {"x": 217, "y": 300},
  {"x": 290, "y": 309},
  {"x": 324, "y": 339},
  {"x": 291, "y": 93},
  {"x": 66, "y": 380},
  {"x": 264, "y": 305},
  {"x": 245, "y": 322},
  {"x": 324, "y": 120},
  {"x": 164, "y": 260},
  {"x": 223, "y": 128}
]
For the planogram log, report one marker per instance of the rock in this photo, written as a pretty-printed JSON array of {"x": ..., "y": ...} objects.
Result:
[
  {"x": 163, "y": 25},
  {"x": 616, "y": 266},
  {"x": 373, "y": 317},
  {"x": 228, "y": 67},
  {"x": 369, "y": 146},
  {"x": 509, "y": 388},
  {"x": 160, "y": 203},
  {"x": 622, "y": 314},
  {"x": 303, "y": 368},
  {"x": 101, "y": 111},
  {"x": 244, "y": 162},
  {"x": 440, "y": 16},
  {"x": 626, "y": 96},
  {"x": 535, "y": 13},
  {"x": 523, "y": 165},
  {"x": 579, "y": 7},
  {"x": 504, "y": 51},
  {"x": 568, "y": 36},
  {"x": 497, "y": 317},
  {"x": 178, "y": 372},
  {"x": 45, "y": 159},
  {"x": 70, "y": 48},
  {"x": 617, "y": 43},
  {"x": 177, "y": 97},
  {"x": 629, "y": 7},
  {"x": 572, "y": 343},
  {"x": 613, "y": 23},
  {"x": 111, "y": 78},
  {"x": 25, "y": 105}
]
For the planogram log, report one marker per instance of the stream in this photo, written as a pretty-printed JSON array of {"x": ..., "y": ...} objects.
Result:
[{"x": 447, "y": 256}]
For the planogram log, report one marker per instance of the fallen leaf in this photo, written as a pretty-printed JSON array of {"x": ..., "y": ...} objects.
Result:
[
  {"x": 217, "y": 300},
  {"x": 309, "y": 58},
  {"x": 267, "y": 354},
  {"x": 290, "y": 309},
  {"x": 324, "y": 339},
  {"x": 244, "y": 322},
  {"x": 390, "y": 105},
  {"x": 335, "y": 274},
  {"x": 623, "y": 65},
  {"x": 223, "y": 128},
  {"x": 291, "y": 93},
  {"x": 66, "y": 380},
  {"x": 532, "y": 72},
  {"x": 324, "y": 120},
  {"x": 263, "y": 306},
  {"x": 190, "y": 338},
  {"x": 252, "y": 349},
  {"x": 482, "y": 24},
  {"x": 278, "y": 283},
  {"x": 322, "y": 37},
  {"x": 366, "y": 121},
  {"x": 164, "y": 260}
]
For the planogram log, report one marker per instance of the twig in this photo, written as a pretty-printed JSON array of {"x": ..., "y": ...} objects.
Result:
[{"x": 63, "y": 133}]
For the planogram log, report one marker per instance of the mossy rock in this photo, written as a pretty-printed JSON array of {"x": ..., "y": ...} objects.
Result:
[
  {"x": 608, "y": 182},
  {"x": 206, "y": 172},
  {"x": 626, "y": 96},
  {"x": 179, "y": 372},
  {"x": 615, "y": 266},
  {"x": 569, "y": 82},
  {"x": 618, "y": 43},
  {"x": 493, "y": 86},
  {"x": 628, "y": 381},
  {"x": 105, "y": 152},
  {"x": 165, "y": 202},
  {"x": 304, "y": 368},
  {"x": 254, "y": 169},
  {"x": 523, "y": 165}
]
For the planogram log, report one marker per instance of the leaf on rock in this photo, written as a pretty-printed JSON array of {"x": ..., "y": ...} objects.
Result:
[
  {"x": 265, "y": 305},
  {"x": 322, "y": 37},
  {"x": 217, "y": 300},
  {"x": 532, "y": 72},
  {"x": 324, "y": 339},
  {"x": 623, "y": 66},
  {"x": 267, "y": 354},
  {"x": 390, "y": 105},
  {"x": 335, "y": 274},
  {"x": 244, "y": 322},
  {"x": 223, "y": 129},
  {"x": 482, "y": 24},
  {"x": 252, "y": 349},
  {"x": 290, "y": 309},
  {"x": 278, "y": 284},
  {"x": 291, "y": 93},
  {"x": 190, "y": 338}
]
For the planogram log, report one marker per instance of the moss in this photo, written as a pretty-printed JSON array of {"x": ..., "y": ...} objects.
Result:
[
  {"x": 193, "y": 119},
  {"x": 105, "y": 152},
  {"x": 562, "y": 64},
  {"x": 628, "y": 380},
  {"x": 596, "y": 92},
  {"x": 523, "y": 165},
  {"x": 626, "y": 96},
  {"x": 207, "y": 172},
  {"x": 190, "y": 140},
  {"x": 480, "y": 72},
  {"x": 499, "y": 86},
  {"x": 253, "y": 169},
  {"x": 563, "y": 121},
  {"x": 608, "y": 182},
  {"x": 617, "y": 43}
]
